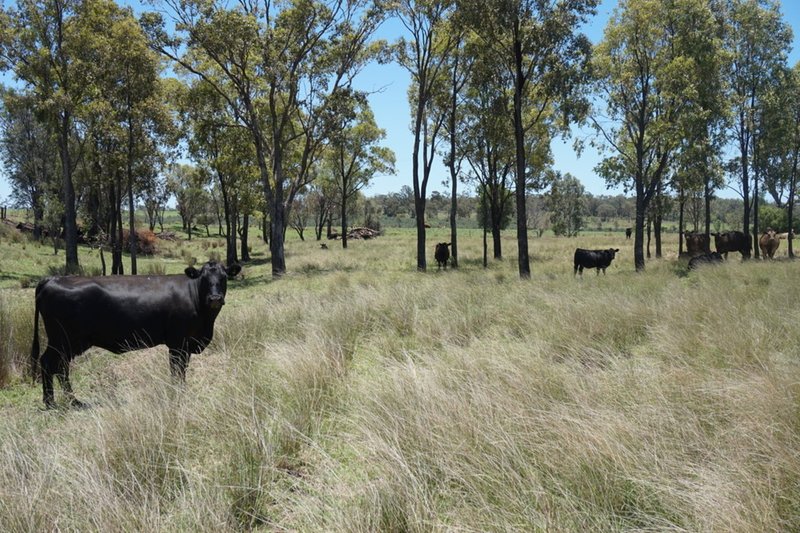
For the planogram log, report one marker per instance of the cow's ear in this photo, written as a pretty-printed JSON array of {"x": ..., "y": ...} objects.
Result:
[
  {"x": 192, "y": 272},
  {"x": 616, "y": 250},
  {"x": 233, "y": 270}
]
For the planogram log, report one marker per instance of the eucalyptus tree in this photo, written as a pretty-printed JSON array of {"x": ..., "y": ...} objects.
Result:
[
  {"x": 276, "y": 65},
  {"x": 38, "y": 46},
  {"x": 487, "y": 144},
  {"x": 538, "y": 45},
  {"x": 566, "y": 204},
  {"x": 225, "y": 149},
  {"x": 697, "y": 166},
  {"x": 188, "y": 183},
  {"x": 773, "y": 145},
  {"x": 757, "y": 39},
  {"x": 155, "y": 197},
  {"x": 28, "y": 160},
  {"x": 449, "y": 99},
  {"x": 353, "y": 154},
  {"x": 425, "y": 55},
  {"x": 793, "y": 107},
  {"x": 126, "y": 96},
  {"x": 649, "y": 70},
  {"x": 320, "y": 201},
  {"x": 780, "y": 143}
]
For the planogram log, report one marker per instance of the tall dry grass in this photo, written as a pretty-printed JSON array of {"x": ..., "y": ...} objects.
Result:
[{"x": 356, "y": 394}]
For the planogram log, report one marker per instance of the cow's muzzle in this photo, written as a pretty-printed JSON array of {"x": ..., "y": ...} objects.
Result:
[{"x": 216, "y": 301}]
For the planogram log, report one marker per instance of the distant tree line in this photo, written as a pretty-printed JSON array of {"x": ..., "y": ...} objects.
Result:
[{"x": 247, "y": 115}]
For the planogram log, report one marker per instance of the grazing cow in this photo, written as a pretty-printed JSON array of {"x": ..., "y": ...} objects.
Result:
[
  {"x": 124, "y": 313},
  {"x": 733, "y": 241},
  {"x": 442, "y": 254},
  {"x": 769, "y": 243},
  {"x": 599, "y": 259},
  {"x": 705, "y": 259},
  {"x": 696, "y": 243},
  {"x": 628, "y": 232}
]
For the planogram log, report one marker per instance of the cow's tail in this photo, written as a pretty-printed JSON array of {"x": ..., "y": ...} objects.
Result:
[{"x": 35, "y": 344}]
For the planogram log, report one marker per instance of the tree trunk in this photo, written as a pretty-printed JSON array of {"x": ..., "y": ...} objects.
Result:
[
  {"x": 277, "y": 228},
  {"x": 496, "y": 243},
  {"x": 116, "y": 225},
  {"x": 453, "y": 174},
  {"x": 70, "y": 213},
  {"x": 38, "y": 217},
  {"x": 243, "y": 232},
  {"x": 230, "y": 233},
  {"x": 792, "y": 192},
  {"x": 419, "y": 210},
  {"x": 638, "y": 240},
  {"x": 649, "y": 227},
  {"x": 519, "y": 141},
  {"x": 707, "y": 194},
  {"x": 131, "y": 207},
  {"x": 485, "y": 249},
  {"x": 681, "y": 207},
  {"x": 744, "y": 147},
  {"x": 344, "y": 221},
  {"x": 756, "y": 247},
  {"x": 657, "y": 231}
]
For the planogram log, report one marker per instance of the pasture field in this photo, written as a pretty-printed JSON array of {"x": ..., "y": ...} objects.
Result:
[{"x": 356, "y": 394}]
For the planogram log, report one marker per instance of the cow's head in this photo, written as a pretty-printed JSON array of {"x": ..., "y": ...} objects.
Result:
[
  {"x": 612, "y": 252},
  {"x": 213, "y": 282}
]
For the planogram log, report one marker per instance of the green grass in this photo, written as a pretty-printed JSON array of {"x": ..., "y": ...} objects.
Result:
[{"x": 356, "y": 394}]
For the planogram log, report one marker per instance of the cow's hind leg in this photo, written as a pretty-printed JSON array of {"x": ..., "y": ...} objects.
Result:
[
  {"x": 66, "y": 386},
  {"x": 56, "y": 363},
  {"x": 48, "y": 365}
]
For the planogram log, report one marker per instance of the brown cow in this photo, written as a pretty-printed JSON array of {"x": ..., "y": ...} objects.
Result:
[
  {"x": 696, "y": 243},
  {"x": 769, "y": 243}
]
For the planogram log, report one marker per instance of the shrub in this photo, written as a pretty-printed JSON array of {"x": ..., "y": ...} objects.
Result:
[{"x": 146, "y": 241}]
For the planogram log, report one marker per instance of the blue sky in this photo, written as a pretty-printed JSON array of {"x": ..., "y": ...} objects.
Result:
[{"x": 389, "y": 101}]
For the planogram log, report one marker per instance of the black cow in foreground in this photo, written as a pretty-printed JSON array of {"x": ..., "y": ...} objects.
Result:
[
  {"x": 124, "y": 313},
  {"x": 710, "y": 258},
  {"x": 733, "y": 241},
  {"x": 599, "y": 259},
  {"x": 442, "y": 254}
]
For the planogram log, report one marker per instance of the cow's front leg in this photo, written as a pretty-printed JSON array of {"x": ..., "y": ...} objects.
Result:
[{"x": 178, "y": 361}]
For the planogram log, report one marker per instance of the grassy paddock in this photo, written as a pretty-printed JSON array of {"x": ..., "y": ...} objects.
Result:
[{"x": 356, "y": 394}]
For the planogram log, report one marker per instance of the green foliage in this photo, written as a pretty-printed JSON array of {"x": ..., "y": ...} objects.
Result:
[
  {"x": 776, "y": 218},
  {"x": 495, "y": 208},
  {"x": 566, "y": 205}
]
